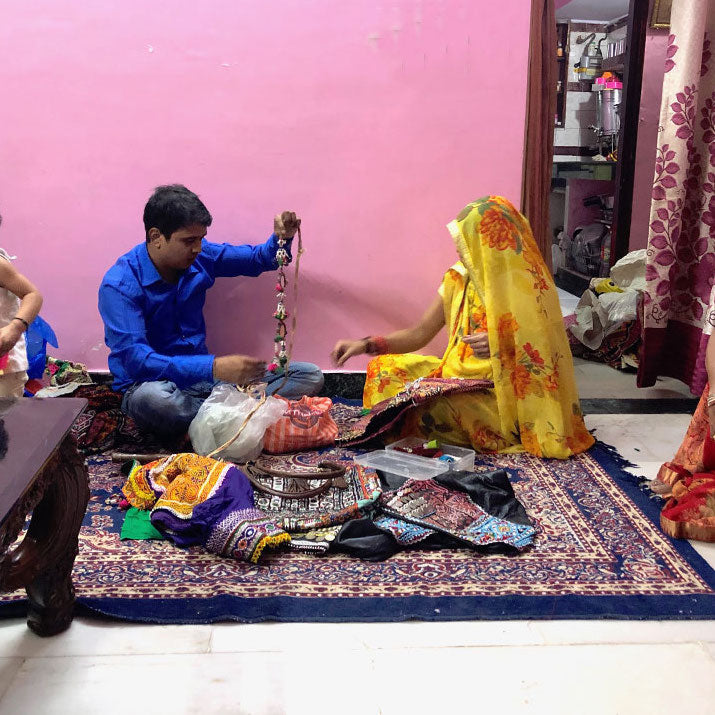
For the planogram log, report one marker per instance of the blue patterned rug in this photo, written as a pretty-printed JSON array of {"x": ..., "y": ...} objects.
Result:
[{"x": 598, "y": 554}]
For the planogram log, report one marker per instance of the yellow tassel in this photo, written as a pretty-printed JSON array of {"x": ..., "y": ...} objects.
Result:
[{"x": 271, "y": 541}]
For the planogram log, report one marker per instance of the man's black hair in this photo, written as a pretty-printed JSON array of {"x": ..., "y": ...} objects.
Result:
[{"x": 174, "y": 207}]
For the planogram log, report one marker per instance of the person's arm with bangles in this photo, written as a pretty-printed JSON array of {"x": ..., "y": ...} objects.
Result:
[
  {"x": 407, "y": 340},
  {"x": 30, "y": 304}
]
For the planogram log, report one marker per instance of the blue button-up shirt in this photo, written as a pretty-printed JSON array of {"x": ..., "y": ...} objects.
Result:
[{"x": 155, "y": 330}]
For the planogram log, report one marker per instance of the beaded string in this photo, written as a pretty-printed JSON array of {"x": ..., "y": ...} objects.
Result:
[
  {"x": 280, "y": 355},
  {"x": 282, "y": 352}
]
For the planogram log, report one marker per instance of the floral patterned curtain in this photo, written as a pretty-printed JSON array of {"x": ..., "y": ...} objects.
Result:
[{"x": 680, "y": 269}]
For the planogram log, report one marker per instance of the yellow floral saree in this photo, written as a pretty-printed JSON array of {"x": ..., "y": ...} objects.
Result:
[{"x": 501, "y": 285}]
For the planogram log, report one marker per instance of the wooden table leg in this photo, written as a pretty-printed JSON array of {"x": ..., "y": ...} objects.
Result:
[{"x": 43, "y": 561}]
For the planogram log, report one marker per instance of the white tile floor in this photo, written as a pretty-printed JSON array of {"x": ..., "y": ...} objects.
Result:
[
  {"x": 568, "y": 301},
  {"x": 438, "y": 668}
]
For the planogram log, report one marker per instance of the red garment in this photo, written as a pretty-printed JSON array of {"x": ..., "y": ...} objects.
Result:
[{"x": 690, "y": 511}]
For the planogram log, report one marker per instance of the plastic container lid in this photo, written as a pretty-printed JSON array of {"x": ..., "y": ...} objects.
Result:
[
  {"x": 462, "y": 457},
  {"x": 403, "y": 465}
]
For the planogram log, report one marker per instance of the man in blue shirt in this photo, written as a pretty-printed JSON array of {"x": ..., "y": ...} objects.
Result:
[{"x": 151, "y": 301}]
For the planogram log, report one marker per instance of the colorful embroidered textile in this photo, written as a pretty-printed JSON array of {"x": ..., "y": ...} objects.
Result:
[
  {"x": 432, "y": 506},
  {"x": 405, "y": 532},
  {"x": 598, "y": 554},
  {"x": 103, "y": 426},
  {"x": 689, "y": 479},
  {"x": 501, "y": 286},
  {"x": 62, "y": 372},
  {"x": 200, "y": 501},
  {"x": 316, "y": 541},
  {"x": 386, "y": 415},
  {"x": 342, "y": 502}
]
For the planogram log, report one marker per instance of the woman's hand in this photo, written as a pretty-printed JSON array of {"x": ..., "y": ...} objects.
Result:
[
  {"x": 9, "y": 335},
  {"x": 479, "y": 342},
  {"x": 345, "y": 349}
]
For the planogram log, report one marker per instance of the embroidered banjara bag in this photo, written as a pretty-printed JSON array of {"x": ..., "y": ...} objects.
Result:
[{"x": 305, "y": 424}]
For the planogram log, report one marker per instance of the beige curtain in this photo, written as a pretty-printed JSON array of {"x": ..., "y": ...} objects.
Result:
[
  {"x": 680, "y": 268},
  {"x": 540, "y": 110}
]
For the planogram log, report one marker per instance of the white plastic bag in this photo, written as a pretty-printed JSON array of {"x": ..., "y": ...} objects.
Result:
[
  {"x": 597, "y": 316},
  {"x": 620, "y": 307},
  {"x": 629, "y": 272},
  {"x": 221, "y": 416}
]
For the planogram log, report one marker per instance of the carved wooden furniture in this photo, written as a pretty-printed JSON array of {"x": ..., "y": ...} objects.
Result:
[{"x": 41, "y": 473}]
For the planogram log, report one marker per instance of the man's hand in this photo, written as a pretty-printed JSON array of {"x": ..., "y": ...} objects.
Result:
[
  {"x": 479, "y": 342},
  {"x": 345, "y": 349},
  {"x": 238, "y": 369},
  {"x": 286, "y": 224},
  {"x": 9, "y": 335}
]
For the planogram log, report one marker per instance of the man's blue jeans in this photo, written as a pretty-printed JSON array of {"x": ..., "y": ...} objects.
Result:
[{"x": 162, "y": 408}]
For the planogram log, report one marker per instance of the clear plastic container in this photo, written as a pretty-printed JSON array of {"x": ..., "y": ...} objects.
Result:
[
  {"x": 413, "y": 466},
  {"x": 463, "y": 457},
  {"x": 409, "y": 466}
]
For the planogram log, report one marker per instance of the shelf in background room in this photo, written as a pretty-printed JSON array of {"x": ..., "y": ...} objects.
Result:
[{"x": 614, "y": 64}]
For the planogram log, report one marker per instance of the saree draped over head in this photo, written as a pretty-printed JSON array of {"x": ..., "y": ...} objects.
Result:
[
  {"x": 200, "y": 501},
  {"x": 502, "y": 286}
]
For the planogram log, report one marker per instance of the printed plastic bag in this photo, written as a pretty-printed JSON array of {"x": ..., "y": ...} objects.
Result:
[
  {"x": 221, "y": 416},
  {"x": 306, "y": 424}
]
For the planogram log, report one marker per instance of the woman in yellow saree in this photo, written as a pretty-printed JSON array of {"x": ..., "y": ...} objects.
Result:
[{"x": 502, "y": 312}]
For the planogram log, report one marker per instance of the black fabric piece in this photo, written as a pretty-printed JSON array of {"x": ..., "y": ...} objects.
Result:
[
  {"x": 490, "y": 490},
  {"x": 389, "y": 481},
  {"x": 361, "y": 538}
]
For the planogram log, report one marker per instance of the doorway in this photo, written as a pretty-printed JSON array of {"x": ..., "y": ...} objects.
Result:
[{"x": 599, "y": 71}]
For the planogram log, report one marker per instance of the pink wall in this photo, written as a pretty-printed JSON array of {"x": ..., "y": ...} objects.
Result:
[
  {"x": 376, "y": 121},
  {"x": 656, "y": 45}
]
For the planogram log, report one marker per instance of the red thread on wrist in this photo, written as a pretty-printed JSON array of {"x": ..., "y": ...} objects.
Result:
[{"x": 376, "y": 345}]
